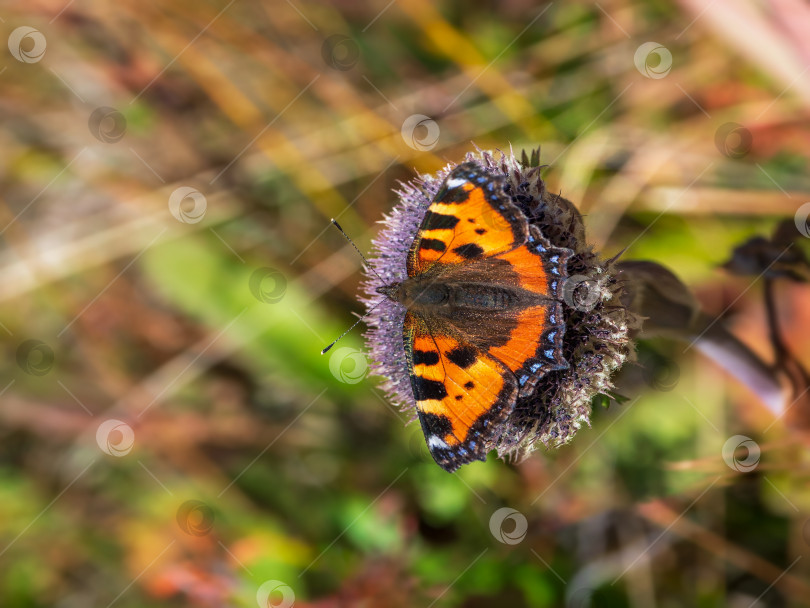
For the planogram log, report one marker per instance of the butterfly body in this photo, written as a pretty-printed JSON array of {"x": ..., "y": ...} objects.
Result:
[
  {"x": 483, "y": 318},
  {"x": 430, "y": 296}
]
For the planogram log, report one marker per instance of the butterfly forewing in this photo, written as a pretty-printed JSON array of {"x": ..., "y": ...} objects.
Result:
[{"x": 468, "y": 219}]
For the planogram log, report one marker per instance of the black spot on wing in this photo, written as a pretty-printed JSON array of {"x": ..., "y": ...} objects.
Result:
[
  {"x": 424, "y": 389},
  {"x": 450, "y": 196},
  {"x": 434, "y": 424},
  {"x": 469, "y": 384},
  {"x": 439, "y": 221},
  {"x": 480, "y": 231},
  {"x": 462, "y": 356},
  {"x": 469, "y": 251},
  {"x": 425, "y": 357},
  {"x": 433, "y": 244}
]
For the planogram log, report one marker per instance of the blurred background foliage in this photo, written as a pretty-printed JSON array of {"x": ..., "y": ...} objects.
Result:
[{"x": 242, "y": 456}]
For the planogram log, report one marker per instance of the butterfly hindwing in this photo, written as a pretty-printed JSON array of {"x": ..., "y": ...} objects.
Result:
[
  {"x": 462, "y": 394},
  {"x": 529, "y": 353}
]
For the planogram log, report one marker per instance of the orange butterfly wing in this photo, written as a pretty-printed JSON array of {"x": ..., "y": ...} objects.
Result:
[
  {"x": 469, "y": 369},
  {"x": 462, "y": 394},
  {"x": 535, "y": 346},
  {"x": 466, "y": 220}
]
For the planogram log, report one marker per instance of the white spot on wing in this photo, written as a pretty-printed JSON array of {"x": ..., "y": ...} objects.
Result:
[
  {"x": 437, "y": 442},
  {"x": 456, "y": 182}
]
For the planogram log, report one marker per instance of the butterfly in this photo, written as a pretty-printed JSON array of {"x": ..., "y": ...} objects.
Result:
[{"x": 484, "y": 317}]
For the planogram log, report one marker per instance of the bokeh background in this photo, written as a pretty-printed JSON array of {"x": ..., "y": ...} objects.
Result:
[{"x": 170, "y": 434}]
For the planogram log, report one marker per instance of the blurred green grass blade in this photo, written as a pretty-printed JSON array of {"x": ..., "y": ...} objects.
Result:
[{"x": 284, "y": 337}]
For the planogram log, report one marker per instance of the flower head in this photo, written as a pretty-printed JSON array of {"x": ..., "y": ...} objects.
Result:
[{"x": 596, "y": 341}]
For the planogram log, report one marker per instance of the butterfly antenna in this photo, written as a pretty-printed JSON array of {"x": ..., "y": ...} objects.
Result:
[
  {"x": 325, "y": 350},
  {"x": 368, "y": 265},
  {"x": 618, "y": 255}
]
